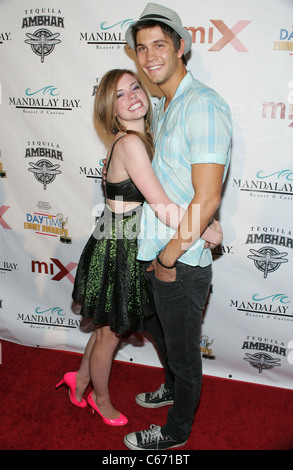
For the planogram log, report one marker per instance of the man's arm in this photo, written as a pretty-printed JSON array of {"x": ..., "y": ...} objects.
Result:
[{"x": 207, "y": 183}]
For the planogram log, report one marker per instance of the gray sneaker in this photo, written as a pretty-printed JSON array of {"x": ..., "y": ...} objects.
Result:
[
  {"x": 161, "y": 397},
  {"x": 151, "y": 439}
]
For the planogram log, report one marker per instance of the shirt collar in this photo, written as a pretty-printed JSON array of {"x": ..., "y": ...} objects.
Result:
[{"x": 182, "y": 87}]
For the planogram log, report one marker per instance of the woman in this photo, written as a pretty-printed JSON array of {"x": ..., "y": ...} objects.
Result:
[{"x": 109, "y": 281}]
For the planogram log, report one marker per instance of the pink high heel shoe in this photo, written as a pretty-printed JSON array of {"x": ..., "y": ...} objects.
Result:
[
  {"x": 120, "y": 421},
  {"x": 69, "y": 379}
]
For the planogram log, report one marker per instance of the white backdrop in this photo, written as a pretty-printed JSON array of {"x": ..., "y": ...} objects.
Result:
[{"x": 52, "y": 56}]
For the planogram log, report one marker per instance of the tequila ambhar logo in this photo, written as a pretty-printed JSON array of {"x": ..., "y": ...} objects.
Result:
[
  {"x": 268, "y": 259},
  {"x": 263, "y": 360},
  {"x": 43, "y": 169},
  {"x": 268, "y": 184},
  {"x": 43, "y": 40}
]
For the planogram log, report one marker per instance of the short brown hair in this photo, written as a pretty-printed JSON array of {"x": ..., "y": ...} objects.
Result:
[{"x": 166, "y": 30}]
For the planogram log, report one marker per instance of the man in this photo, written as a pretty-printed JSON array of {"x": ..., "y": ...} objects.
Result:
[{"x": 192, "y": 136}]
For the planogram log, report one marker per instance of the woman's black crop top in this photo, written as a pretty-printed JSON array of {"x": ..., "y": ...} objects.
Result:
[{"x": 126, "y": 190}]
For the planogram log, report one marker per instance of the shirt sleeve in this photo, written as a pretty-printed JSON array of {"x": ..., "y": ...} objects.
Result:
[{"x": 209, "y": 131}]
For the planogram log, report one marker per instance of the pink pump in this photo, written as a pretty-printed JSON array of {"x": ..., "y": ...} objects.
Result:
[
  {"x": 120, "y": 421},
  {"x": 69, "y": 379}
]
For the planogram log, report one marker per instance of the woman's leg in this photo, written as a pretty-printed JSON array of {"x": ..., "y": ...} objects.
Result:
[
  {"x": 100, "y": 364},
  {"x": 83, "y": 375}
]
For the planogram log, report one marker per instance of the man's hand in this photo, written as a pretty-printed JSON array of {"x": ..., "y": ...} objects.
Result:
[
  {"x": 163, "y": 274},
  {"x": 217, "y": 227}
]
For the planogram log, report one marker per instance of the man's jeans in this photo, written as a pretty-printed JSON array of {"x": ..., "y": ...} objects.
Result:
[{"x": 177, "y": 329}]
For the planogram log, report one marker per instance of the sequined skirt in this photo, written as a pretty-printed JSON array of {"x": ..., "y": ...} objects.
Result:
[{"x": 109, "y": 281}]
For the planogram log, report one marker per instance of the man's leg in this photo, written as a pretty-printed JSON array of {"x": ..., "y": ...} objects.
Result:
[{"x": 179, "y": 306}]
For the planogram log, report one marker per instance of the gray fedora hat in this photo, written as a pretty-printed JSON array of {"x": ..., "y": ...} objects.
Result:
[{"x": 154, "y": 11}]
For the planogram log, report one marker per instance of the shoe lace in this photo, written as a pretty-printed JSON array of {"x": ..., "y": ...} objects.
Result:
[
  {"x": 158, "y": 393},
  {"x": 152, "y": 434}
]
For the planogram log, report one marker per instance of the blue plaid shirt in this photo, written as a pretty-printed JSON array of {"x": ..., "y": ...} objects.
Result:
[{"x": 196, "y": 128}]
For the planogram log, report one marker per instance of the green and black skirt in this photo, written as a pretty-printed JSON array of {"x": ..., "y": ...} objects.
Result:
[{"x": 109, "y": 282}]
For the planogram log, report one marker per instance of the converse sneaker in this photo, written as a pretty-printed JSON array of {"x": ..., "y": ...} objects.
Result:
[
  {"x": 151, "y": 439},
  {"x": 161, "y": 397}
]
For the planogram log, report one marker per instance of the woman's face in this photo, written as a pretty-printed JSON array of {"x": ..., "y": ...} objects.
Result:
[{"x": 132, "y": 102}]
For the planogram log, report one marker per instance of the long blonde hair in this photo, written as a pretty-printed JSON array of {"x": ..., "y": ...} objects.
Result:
[{"x": 105, "y": 108}]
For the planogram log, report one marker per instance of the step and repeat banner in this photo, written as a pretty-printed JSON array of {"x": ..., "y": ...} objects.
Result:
[{"x": 52, "y": 57}]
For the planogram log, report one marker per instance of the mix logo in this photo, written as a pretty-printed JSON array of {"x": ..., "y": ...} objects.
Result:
[
  {"x": 4, "y": 224},
  {"x": 42, "y": 267},
  {"x": 277, "y": 111},
  {"x": 229, "y": 35}
]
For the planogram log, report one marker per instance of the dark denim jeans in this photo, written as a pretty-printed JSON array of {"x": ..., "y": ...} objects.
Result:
[{"x": 177, "y": 329}]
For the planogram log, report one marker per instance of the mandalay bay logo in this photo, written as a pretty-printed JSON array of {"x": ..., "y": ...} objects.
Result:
[
  {"x": 268, "y": 184},
  {"x": 44, "y": 37},
  {"x": 47, "y": 99},
  {"x": 108, "y": 36},
  {"x": 267, "y": 307},
  {"x": 50, "y": 318}
]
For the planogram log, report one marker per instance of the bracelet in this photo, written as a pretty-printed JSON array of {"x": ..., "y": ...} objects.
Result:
[{"x": 163, "y": 265}]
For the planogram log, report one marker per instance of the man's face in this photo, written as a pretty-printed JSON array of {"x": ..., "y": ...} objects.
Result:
[{"x": 156, "y": 55}]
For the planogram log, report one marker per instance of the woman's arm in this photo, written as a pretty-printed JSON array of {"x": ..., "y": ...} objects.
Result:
[{"x": 133, "y": 156}]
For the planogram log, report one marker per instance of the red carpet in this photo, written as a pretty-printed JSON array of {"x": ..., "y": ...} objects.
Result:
[{"x": 35, "y": 416}]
